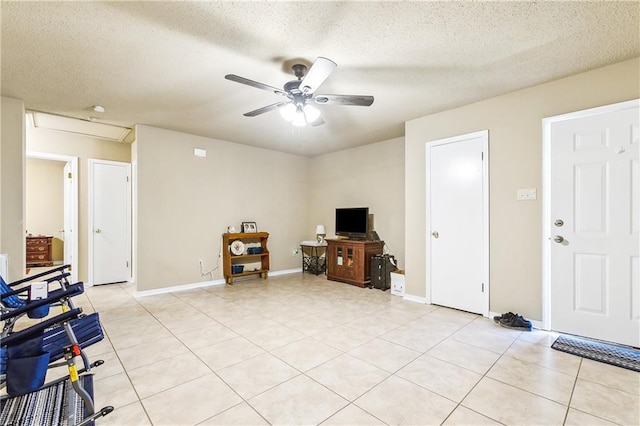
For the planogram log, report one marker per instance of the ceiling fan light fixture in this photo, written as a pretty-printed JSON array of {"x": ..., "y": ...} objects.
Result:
[
  {"x": 311, "y": 113},
  {"x": 288, "y": 112},
  {"x": 298, "y": 118}
]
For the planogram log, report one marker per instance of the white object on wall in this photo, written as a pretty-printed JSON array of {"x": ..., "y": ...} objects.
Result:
[
  {"x": 526, "y": 194},
  {"x": 4, "y": 266}
]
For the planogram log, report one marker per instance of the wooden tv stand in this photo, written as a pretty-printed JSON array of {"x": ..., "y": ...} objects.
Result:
[{"x": 349, "y": 261}]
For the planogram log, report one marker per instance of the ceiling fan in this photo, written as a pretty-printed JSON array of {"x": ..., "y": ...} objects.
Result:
[{"x": 301, "y": 95}]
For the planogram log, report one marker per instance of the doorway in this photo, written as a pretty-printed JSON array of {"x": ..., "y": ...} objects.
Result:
[
  {"x": 591, "y": 225},
  {"x": 458, "y": 222},
  {"x": 109, "y": 222},
  {"x": 69, "y": 232}
]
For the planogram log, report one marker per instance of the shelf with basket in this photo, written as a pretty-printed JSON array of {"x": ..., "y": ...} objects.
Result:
[{"x": 245, "y": 253}]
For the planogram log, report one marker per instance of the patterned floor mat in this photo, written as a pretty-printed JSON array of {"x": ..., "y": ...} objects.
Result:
[{"x": 620, "y": 356}]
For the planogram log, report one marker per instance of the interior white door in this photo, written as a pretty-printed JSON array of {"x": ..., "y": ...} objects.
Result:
[
  {"x": 594, "y": 222},
  {"x": 110, "y": 225},
  {"x": 458, "y": 241}
]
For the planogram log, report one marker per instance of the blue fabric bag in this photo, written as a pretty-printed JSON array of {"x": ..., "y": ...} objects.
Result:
[
  {"x": 26, "y": 367},
  {"x": 39, "y": 312}
]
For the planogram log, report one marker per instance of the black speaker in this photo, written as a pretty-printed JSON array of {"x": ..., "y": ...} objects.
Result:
[{"x": 381, "y": 267}]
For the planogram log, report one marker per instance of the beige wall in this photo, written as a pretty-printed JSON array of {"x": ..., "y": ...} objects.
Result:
[
  {"x": 83, "y": 147},
  {"x": 515, "y": 144},
  {"x": 44, "y": 201},
  {"x": 368, "y": 176},
  {"x": 183, "y": 204},
  {"x": 12, "y": 146}
]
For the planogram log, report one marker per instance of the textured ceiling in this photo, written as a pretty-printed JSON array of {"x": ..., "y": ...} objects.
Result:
[{"x": 163, "y": 63}]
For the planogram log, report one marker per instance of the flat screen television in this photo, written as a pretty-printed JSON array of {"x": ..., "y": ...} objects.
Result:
[{"x": 352, "y": 222}]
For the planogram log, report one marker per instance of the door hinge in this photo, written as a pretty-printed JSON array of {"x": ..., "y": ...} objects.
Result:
[
  {"x": 69, "y": 175},
  {"x": 127, "y": 178},
  {"x": 127, "y": 263},
  {"x": 482, "y": 156},
  {"x": 483, "y": 287}
]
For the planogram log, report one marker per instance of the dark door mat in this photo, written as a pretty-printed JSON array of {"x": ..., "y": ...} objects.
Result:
[{"x": 620, "y": 356}]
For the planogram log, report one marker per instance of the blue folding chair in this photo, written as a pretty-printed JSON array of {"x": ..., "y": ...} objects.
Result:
[
  {"x": 17, "y": 294},
  {"x": 26, "y": 354},
  {"x": 84, "y": 330}
]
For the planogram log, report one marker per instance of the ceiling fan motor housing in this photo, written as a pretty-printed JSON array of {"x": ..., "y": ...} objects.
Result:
[
  {"x": 291, "y": 86},
  {"x": 299, "y": 70}
]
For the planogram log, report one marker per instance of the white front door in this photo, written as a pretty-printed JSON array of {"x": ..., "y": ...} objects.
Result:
[
  {"x": 593, "y": 223},
  {"x": 110, "y": 222},
  {"x": 457, "y": 197}
]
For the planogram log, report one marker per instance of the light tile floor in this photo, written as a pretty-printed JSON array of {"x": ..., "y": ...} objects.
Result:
[{"x": 299, "y": 349}]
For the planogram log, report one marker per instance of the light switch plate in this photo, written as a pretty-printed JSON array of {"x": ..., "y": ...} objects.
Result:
[{"x": 527, "y": 194}]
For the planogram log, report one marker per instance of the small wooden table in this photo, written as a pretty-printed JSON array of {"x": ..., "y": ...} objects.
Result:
[{"x": 314, "y": 257}]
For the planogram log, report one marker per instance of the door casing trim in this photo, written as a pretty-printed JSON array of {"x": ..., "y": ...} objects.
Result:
[{"x": 73, "y": 161}]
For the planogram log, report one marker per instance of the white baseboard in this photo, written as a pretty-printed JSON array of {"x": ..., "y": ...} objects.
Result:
[
  {"x": 175, "y": 288},
  {"x": 285, "y": 272},
  {"x": 185, "y": 287},
  {"x": 418, "y": 299},
  {"x": 537, "y": 324}
]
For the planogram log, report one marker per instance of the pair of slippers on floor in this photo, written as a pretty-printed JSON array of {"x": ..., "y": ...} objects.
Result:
[{"x": 514, "y": 321}]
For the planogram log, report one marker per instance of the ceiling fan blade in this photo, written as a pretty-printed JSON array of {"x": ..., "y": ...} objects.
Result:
[
  {"x": 265, "y": 109},
  {"x": 255, "y": 84},
  {"x": 317, "y": 74},
  {"x": 359, "y": 100}
]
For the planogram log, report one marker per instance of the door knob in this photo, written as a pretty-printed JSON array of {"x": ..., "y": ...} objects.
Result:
[
  {"x": 98, "y": 231},
  {"x": 558, "y": 239},
  {"x": 435, "y": 234},
  {"x": 558, "y": 223}
]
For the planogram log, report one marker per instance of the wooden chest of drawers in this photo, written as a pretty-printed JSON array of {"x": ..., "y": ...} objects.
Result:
[{"x": 39, "y": 251}]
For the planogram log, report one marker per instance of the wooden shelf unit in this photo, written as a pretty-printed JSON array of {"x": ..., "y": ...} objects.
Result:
[
  {"x": 229, "y": 259},
  {"x": 349, "y": 261}
]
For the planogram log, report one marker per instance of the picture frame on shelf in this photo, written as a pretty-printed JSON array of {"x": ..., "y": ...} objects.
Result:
[{"x": 249, "y": 227}]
